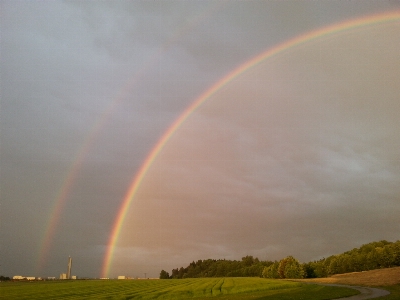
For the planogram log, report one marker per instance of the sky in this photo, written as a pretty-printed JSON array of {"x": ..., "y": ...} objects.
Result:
[{"x": 297, "y": 155}]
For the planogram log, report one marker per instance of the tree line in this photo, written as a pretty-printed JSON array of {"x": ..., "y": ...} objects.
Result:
[
  {"x": 247, "y": 267},
  {"x": 375, "y": 255}
]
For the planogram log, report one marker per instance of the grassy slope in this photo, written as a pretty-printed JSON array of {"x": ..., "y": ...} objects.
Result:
[
  {"x": 221, "y": 288},
  {"x": 388, "y": 279}
]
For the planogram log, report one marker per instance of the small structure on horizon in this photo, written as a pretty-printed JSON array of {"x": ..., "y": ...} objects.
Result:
[
  {"x": 121, "y": 277},
  {"x": 19, "y": 277},
  {"x": 69, "y": 267}
]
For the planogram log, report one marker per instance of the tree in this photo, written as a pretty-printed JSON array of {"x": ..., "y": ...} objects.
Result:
[
  {"x": 293, "y": 269},
  {"x": 164, "y": 274},
  {"x": 248, "y": 260},
  {"x": 174, "y": 273},
  {"x": 334, "y": 266},
  {"x": 309, "y": 270},
  {"x": 290, "y": 267},
  {"x": 320, "y": 268},
  {"x": 271, "y": 271}
]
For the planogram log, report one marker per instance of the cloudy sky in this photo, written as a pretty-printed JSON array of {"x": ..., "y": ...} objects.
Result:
[{"x": 296, "y": 156}]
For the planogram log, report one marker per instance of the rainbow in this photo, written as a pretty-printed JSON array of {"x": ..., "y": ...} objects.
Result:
[
  {"x": 392, "y": 16},
  {"x": 90, "y": 139},
  {"x": 68, "y": 182}
]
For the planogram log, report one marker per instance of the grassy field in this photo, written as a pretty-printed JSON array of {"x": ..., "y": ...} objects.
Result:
[
  {"x": 202, "y": 288},
  {"x": 388, "y": 279}
]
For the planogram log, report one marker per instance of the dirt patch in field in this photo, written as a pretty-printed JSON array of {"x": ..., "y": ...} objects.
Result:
[{"x": 379, "y": 277}]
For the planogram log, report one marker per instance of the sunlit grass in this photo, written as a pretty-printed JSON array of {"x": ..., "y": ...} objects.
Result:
[{"x": 201, "y": 288}]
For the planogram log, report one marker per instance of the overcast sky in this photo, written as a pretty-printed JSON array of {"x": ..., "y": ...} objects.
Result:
[{"x": 297, "y": 156}]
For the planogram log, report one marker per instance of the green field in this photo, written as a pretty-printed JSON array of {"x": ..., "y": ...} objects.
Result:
[{"x": 202, "y": 288}]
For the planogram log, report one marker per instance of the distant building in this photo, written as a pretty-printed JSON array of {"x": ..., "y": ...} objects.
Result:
[
  {"x": 19, "y": 277},
  {"x": 104, "y": 278},
  {"x": 121, "y": 277},
  {"x": 63, "y": 276},
  {"x": 73, "y": 277},
  {"x": 51, "y": 278}
]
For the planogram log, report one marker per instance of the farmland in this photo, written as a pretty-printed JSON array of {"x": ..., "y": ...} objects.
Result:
[{"x": 220, "y": 288}]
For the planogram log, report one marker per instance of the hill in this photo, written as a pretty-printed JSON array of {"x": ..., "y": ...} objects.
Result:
[{"x": 378, "y": 277}]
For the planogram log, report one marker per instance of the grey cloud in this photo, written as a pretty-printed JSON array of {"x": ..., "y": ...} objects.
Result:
[
  {"x": 303, "y": 167},
  {"x": 91, "y": 87}
]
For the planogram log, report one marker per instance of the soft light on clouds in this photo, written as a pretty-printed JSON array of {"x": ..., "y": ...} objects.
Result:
[
  {"x": 285, "y": 159},
  {"x": 304, "y": 140}
]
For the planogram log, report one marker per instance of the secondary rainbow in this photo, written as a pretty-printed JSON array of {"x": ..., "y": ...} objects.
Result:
[
  {"x": 392, "y": 16},
  {"x": 68, "y": 182}
]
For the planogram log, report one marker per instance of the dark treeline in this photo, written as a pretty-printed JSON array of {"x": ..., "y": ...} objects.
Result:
[
  {"x": 370, "y": 256},
  {"x": 247, "y": 267}
]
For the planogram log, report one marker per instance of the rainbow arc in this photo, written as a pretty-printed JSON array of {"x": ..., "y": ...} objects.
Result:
[{"x": 393, "y": 16}]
